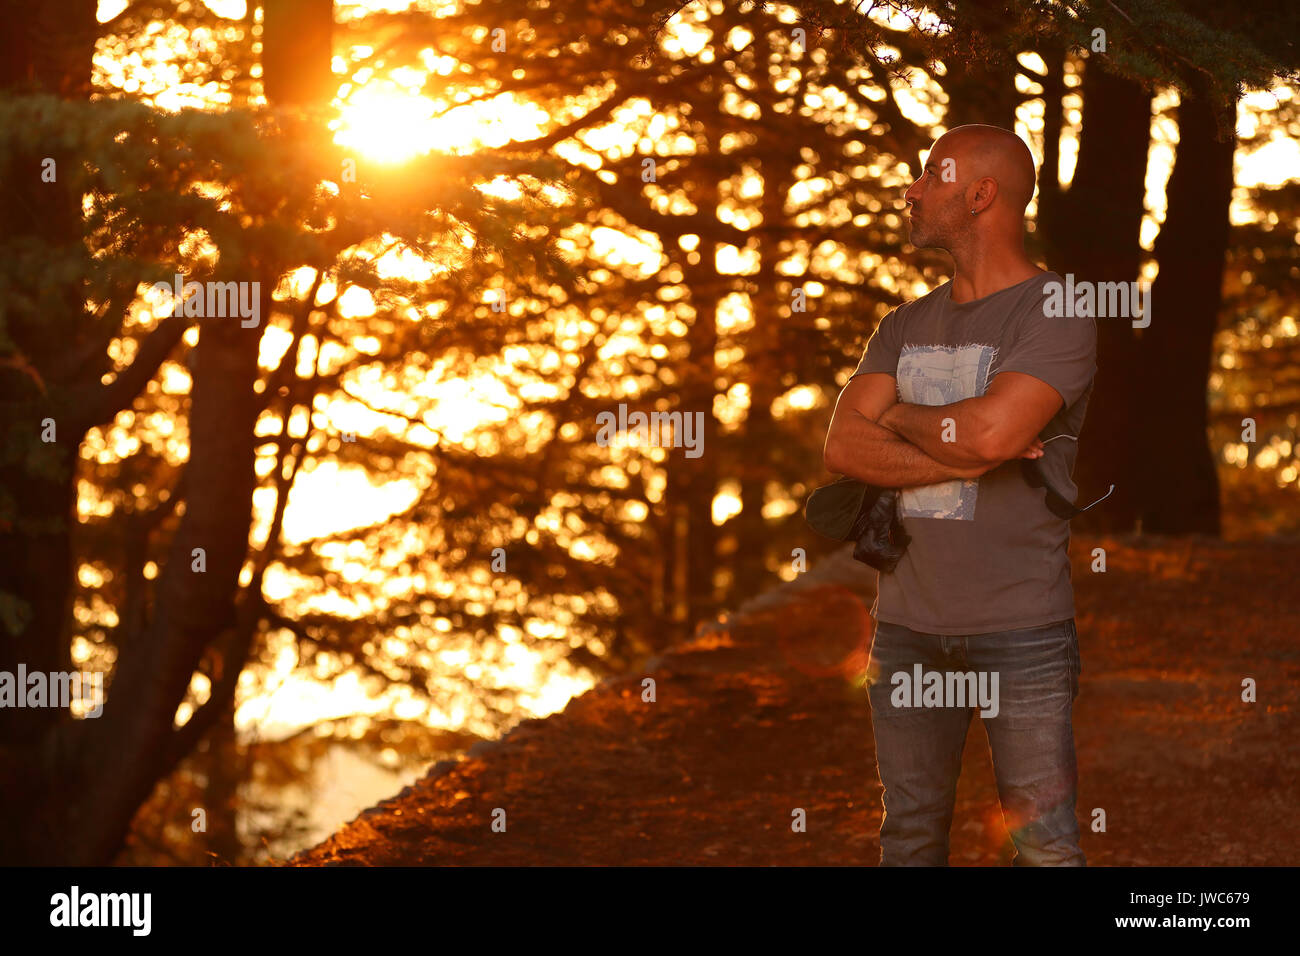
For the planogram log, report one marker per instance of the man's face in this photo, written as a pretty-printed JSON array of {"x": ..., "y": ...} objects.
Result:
[{"x": 937, "y": 202}]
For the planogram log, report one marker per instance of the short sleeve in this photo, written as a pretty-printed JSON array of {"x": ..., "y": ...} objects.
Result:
[
  {"x": 1058, "y": 350},
  {"x": 883, "y": 348}
]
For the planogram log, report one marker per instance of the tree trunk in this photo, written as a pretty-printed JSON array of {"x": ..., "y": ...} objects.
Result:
[
  {"x": 1050, "y": 194},
  {"x": 1180, "y": 487},
  {"x": 692, "y": 482},
  {"x": 1096, "y": 239},
  {"x": 297, "y": 47},
  {"x": 980, "y": 93},
  {"x": 193, "y": 608},
  {"x": 698, "y": 477},
  {"x": 45, "y": 48}
]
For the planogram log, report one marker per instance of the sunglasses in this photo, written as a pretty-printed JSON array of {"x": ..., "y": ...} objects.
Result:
[{"x": 1057, "y": 503}]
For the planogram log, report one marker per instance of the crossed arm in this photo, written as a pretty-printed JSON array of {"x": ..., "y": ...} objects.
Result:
[{"x": 891, "y": 444}]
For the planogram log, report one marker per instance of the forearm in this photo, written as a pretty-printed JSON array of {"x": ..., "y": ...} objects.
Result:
[
  {"x": 872, "y": 453},
  {"x": 955, "y": 435}
]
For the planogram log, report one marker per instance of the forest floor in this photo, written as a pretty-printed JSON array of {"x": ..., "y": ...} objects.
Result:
[{"x": 765, "y": 713}]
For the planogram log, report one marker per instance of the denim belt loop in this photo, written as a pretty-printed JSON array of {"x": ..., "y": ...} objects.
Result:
[{"x": 953, "y": 646}]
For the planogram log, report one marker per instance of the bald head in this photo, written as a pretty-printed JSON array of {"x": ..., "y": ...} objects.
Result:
[{"x": 992, "y": 152}]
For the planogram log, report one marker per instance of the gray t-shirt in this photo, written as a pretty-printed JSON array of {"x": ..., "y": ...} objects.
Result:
[{"x": 986, "y": 553}]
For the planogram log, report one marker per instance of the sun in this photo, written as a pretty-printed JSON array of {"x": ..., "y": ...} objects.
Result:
[
  {"x": 388, "y": 121},
  {"x": 390, "y": 125}
]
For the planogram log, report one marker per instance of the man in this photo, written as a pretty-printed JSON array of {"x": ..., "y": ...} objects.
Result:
[{"x": 953, "y": 389}]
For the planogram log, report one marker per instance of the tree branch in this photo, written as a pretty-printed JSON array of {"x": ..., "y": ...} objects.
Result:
[{"x": 97, "y": 404}]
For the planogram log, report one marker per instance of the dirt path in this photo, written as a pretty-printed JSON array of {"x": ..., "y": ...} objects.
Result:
[{"x": 766, "y": 715}]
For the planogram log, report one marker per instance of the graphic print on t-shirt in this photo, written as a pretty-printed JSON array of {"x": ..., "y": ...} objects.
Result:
[{"x": 941, "y": 375}]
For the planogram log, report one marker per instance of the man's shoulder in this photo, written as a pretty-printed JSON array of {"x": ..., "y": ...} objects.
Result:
[
  {"x": 940, "y": 293},
  {"x": 922, "y": 304},
  {"x": 1025, "y": 307},
  {"x": 1034, "y": 290},
  {"x": 1037, "y": 304},
  {"x": 1045, "y": 281}
]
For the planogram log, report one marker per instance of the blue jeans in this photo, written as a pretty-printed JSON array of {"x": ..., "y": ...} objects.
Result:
[{"x": 1035, "y": 674}]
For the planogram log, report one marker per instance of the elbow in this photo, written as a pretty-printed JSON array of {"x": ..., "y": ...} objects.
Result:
[
  {"x": 993, "y": 446},
  {"x": 837, "y": 455},
  {"x": 831, "y": 454}
]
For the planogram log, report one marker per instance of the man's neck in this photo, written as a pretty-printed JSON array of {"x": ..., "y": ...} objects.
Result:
[{"x": 977, "y": 276}]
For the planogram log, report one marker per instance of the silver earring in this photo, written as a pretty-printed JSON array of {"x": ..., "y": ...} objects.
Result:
[{"x": 972, "y": 212}]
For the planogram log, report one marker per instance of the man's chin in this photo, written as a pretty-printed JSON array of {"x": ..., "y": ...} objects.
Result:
[{"x": 919, "y": 240}]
